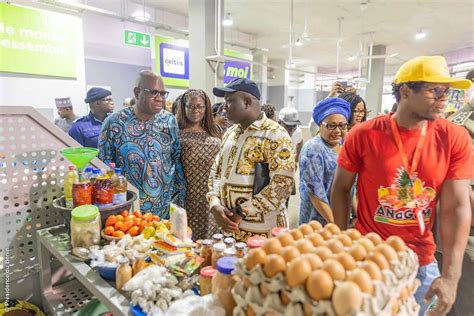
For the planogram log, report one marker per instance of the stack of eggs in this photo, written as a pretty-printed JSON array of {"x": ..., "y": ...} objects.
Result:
[{"x": 315, "y": 270}]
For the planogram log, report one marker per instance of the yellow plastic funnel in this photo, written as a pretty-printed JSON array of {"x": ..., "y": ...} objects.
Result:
[{"x": 79, "y": 156}]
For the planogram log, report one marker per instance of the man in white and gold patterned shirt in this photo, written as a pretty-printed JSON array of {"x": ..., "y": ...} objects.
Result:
[{"x": 252, "y": 139}]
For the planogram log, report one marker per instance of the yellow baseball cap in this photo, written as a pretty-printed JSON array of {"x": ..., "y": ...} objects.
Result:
[{"x": 429, "y": 69}]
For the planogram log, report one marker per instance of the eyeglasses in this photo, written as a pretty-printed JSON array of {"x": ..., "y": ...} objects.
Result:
[
  {"x": 195, "y": 107},
  {"x": 153, "y": 93},
  {"x": 438, "y": 92},
  {"x": 332, "y": 126}
]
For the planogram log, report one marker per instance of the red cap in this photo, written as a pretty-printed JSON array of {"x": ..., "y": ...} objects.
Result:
[
  {"x": 208, "y": 272},
  {"x": 256, "y": 241},
  {"x": 277, "y": 230}
]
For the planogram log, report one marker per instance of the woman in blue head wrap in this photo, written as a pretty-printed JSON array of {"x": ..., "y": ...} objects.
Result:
[{"x": 318, "y": 160}]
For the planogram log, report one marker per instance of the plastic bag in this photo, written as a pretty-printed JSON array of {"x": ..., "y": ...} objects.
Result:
[
  {"x": 196, "y": 306},
  {"x": 179, "y": 222}
]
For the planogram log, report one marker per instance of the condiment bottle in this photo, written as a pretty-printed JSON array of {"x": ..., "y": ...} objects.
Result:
[
  {"x": 71, "y": 177},
  {"x": 217, "y": 238},
  {"x": 229, "y": 252},
  {"x": 205, "y": 280},
  {"x": 217, "y": 253},
  {"x": 222, "y": 283},
  {"x": 81, "y": 192},
  {"x": 229, "y": 242},
  {"x": 240, "y": 249},
  {"x": 206, "y": 252},
  {"x": 123, "y": 274}
]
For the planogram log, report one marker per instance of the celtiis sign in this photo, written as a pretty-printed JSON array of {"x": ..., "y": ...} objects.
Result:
[
  {"x": 172, "y": 62},
  {"x": 37, "y": 42},
  {"x": 137, "y": 39}
]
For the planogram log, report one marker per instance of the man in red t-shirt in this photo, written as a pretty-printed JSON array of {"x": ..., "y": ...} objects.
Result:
[{"x": 405, "y": 163}]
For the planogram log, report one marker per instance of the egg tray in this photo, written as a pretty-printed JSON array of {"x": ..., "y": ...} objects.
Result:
[{"x": 264, "y": 294}]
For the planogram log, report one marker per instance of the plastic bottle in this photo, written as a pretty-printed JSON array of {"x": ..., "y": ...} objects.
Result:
[
  {"x": 69, "y": 180},
  {"x": 119, "y": 183},
  {"x": 95, "y": 174},
  {"x": 110, "y": 173},
  {"x": 87, "y": 173}
]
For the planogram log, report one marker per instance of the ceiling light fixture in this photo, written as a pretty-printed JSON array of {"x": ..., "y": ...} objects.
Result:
[
  {"x": 298, "y": 42},
  {"x": 227, "y": 20},
  {"x": 420, "y": 35},
  {"x": 351, "y": 58},
  {"x": 141, "y": 16}
]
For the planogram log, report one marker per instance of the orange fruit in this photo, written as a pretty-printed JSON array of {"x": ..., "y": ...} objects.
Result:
[
  {"x": 156, "y": 218},
  {"x": 148, "y": 217},
  {"x": 118, "y": 225},
  {"x": 133, "y": 231},
  {"x": 118, "y": 233},
  {"x": 155, "y": 223},
  {"x": 109, "y": 230},
  {"x": 124, "y": 213},
  {"x": 137, "y": 221},
  {"x": 130, "y": 217},
  {"x": 111, "y": 220},
  {"x": 119, "y": 218},
  {"x": 137, "y": 213},
  {"x": 126, "y": 226},
  {"x": 143, "y": 224}
]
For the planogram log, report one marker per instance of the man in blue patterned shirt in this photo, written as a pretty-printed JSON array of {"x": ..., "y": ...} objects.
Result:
[{"x": 144, "y": 141}]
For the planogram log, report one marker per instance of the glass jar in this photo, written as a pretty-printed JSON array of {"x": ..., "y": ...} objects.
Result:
[
  {"x": 85, "y": 226},
  {"x": 206, "y": 252},
  {"x": 255, "y": 241},
  {"x": 205, "y": 280},
  {"x": 217, "y": 238},
  {"x": 229, "y": 242},
  {"x": 217, "y": 253},
  {"x": 222, "y": 283},
  {"x": 123, "y": 273},
  {"x": 240, "y": 249},
  {"x": 82, "y": 193},
  {"x": 229, "y": 252}
]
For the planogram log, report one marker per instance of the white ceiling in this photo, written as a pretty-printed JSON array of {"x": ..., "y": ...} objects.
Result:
[{"x": 449, "y": 26}]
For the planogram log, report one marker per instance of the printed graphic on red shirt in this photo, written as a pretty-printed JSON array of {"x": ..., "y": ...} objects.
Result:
[{"x": 399, "y": 202}]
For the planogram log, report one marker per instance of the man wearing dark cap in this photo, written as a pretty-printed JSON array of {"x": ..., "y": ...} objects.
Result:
[
  {"x": 86, "y": 130},
  {"x": 406, "y": 162},
  {"x": 65, "y": 112},
  {"x": 242, "y": 202}
]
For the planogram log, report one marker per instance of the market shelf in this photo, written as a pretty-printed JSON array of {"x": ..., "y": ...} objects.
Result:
[
  {"x": 67, "y": 298},
  {"x": 54, "y": 242}
]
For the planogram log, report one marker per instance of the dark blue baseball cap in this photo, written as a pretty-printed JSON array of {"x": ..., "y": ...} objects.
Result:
[{"x": 238, "y": 84}]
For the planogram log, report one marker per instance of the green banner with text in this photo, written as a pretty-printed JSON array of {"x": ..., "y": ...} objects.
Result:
[{"x": 38, "y": 42}]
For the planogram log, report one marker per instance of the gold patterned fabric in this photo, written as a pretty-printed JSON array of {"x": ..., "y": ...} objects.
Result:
[
  {"x": 198, "y": 150},
  {"x": 232, "y": 175}
]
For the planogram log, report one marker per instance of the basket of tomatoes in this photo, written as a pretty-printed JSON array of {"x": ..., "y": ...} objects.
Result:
[{"x": 132, "y": 223}]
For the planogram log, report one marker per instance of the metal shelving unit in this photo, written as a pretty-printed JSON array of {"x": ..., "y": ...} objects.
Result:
[{"x": 69, "y": 297}]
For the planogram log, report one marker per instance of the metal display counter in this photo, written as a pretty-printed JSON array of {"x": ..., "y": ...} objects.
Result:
[{"x": 68, "y": 297}]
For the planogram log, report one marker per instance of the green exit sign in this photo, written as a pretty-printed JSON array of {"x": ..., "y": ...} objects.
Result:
[{"x": 137, "y": 39}]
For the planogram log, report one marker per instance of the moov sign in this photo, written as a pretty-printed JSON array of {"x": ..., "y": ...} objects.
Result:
[
  {"x": 172, "y": 62},
  {"x": 38, "y": 42},
  {"x": 236, "y": 69}
]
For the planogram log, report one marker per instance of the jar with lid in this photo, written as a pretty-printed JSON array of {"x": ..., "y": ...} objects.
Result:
[
  {"x": 240, "y": 249},
  {"x": 205, "y": 280},
  {"x": 85, "y": 226},
  {"x": 222, "y": 283},
  {"x": 229, "y": 242},
  {"x": 206, "y": 252},
  {"x": 255, "y": 241},
  {"x": 229, "y": 252},
  {"x": 217, "y": 238},
  {"x": 217, "y": 253},
  {"x": 123, "y": 273}
]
